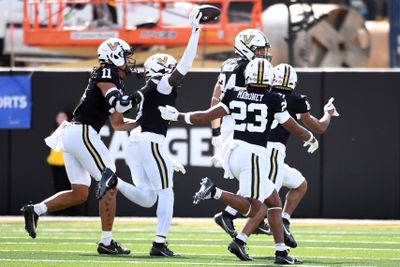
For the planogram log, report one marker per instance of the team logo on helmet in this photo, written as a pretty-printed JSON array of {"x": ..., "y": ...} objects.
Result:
[
  {"x": 113, "y": 46},
  {"x": 247, "y": 39},
  {"x": 162, "y": 60}
]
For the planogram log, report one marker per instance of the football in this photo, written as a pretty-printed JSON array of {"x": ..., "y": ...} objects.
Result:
[{"x": 209, "y": 13}]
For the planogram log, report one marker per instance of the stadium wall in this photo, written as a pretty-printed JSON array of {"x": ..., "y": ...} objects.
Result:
[{"x": 355, "y": 174}]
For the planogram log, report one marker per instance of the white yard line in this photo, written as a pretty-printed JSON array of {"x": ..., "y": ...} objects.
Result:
[
  {"x": 4, "y": 219},
  {"x": 172, "y": 239}
]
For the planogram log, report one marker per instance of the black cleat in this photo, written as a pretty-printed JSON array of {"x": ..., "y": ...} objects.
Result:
[
  {"x": 31, "y": 219},
  {"x": 205, "y": 191},
  {"x": 263, "y": 229},
  {"x": 226, "y": 224},
  {"x": 287, "y": 235},
  {"x": 108, "y": 180},
  {"x": 283, "y": 257},
  {"x": 114, "y": 248},
  {"x": 161, "y": 249},
  {"x": 239, "y": 250}
]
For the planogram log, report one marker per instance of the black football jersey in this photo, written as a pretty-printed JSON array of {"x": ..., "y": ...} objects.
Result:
[
  {"x": 253, "y": 112},
  {"x": 296, "y": 104},
  {"x": 93, "y": 109},
  {"x": 232, "y": 73},
  {"x": 149, "y": 117}
]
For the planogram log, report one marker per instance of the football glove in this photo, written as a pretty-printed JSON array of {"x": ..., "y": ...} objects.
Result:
[
  {"x": 216, "y": 141},
  {"x": 217, "y": 161},
  {"x": 313, "y": 143},
  {"x": 169, "y": 113},
  {"x": 178, "y": 167},
  {"x": 194, "y": 18},
  {"x": 329, "y": 106}
]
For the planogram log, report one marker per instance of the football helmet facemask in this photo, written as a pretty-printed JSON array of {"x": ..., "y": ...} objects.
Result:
[
  {"x": 259, "y": 73},
  {"x": 116, "y": 52},
  {"x": 285, "y": 77},
  {"x": 159, "y": 64},
  {"x": 250, "y": 40}
]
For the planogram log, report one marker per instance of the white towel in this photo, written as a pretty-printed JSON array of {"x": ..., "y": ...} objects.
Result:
[{"x": 54, "y": 140}]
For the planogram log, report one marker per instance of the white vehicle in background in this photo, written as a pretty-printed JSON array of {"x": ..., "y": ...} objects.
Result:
[{"x": 14, "y": 51}]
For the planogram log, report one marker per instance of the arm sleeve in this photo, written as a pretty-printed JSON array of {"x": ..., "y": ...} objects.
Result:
[
  {"x": 282, "y": 117},
  {"x": 188, "y": 56},
  {"x": 163, "y": 86}
]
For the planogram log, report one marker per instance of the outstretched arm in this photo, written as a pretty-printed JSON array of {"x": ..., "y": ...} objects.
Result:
[
  {"x": 194, "y": 117},
  {"x": 321, "y": 125},
  {"x": 315, "y": 125},
  {"x": 186, "y": 61},
  {"x": 301, "y": 133}
]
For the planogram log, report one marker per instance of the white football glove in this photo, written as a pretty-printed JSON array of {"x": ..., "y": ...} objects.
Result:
[
  {"x": 217, "y": 160},
  {"x": 216, "y": 141},
  {"x": 169, "y": 113},
  {"x": 313, "y": 143},
  {"x": 194, "y": 18},
  {"x": 329, "y": 106},
  {"x": 178, "y": 167}
]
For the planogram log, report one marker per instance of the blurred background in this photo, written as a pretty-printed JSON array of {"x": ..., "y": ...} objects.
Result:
[
  {"x": 349, "y": 50},
  {"x": 342, "y": 33}
]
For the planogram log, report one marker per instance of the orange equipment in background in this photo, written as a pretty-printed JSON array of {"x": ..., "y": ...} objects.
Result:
[{"x": 44, "y": 23}]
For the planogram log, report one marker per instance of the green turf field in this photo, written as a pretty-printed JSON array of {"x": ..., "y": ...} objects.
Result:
[{"x": 200, "y": 242}]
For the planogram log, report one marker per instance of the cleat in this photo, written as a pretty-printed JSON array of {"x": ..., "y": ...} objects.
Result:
[
  {"x": 207, "y": 186},
  {"x": 226, "y": 224},
  {"x": 31, "y": 219},
  {"x": 263, "y": 229},
  {"x": 161, "y": 249},
  {"x": 108, "y": 180},
  {"x": 239, "y": 250},
  {"x": 282, "y": 257},
  {"x": 114, "y": 248},
  {"x": 288, "y": 237}
]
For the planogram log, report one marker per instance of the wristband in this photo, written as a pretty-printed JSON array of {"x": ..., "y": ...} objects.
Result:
[
  {"x": 311, "y": 137},
  {"x": 216, "y": 131},
  {"x": 187, "y": 118}
]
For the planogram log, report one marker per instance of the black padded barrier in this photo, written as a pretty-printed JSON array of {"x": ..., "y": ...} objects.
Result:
[{"x": 355, "y": 174}]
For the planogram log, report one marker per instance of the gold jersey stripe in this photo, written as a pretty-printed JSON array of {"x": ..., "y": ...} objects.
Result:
[
  {"x": 97, "y": 159},
  {"x": 162, "y": 168},
  {"x": 255, "y": 179},
  {"x": 273, "y": 173}
]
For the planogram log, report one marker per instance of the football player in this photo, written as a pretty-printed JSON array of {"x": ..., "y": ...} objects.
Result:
[
  {"x": 249, "y": 44},
  {"x": 84, "y": 153},
  {"x": 281, "y": 174},
  {"x": 152, "y": 169},
  {"x": 253, "y": 110}
]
